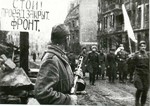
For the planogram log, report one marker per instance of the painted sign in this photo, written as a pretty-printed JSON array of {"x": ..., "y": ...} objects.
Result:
[{"x": 22, "y": 15}]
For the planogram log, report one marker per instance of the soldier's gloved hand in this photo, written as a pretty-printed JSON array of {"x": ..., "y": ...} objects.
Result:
[
  {"x": 79, "y": 73},
  {"x": 73, "y": 99},
  {"x": 99, "y": 66}
]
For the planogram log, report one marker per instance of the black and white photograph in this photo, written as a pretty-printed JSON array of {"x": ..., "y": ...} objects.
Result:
[{"x": 74, "y": 52}]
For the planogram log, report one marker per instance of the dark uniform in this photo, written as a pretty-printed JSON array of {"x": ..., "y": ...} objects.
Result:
[
  {"x": 111, "y": 65},
  {"x": 55, "y": 78},
  {"x": 34, "y": 57},
  {"x": 141, "y": 76},
  {"x": 122, "y": 65},
  {"x": 72, "y": 58},
  {"x": 92, "y": 65},
  {"x": 102, "y": 64},
  {"x": 84, "y": 54},
  {"x": 130, "y": 68}
]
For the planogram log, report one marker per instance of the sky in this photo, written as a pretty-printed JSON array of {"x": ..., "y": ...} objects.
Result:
[{"x": 58, "y": 10}]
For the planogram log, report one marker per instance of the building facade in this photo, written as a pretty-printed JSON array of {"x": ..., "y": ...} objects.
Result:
[
  {"x": 111, "y": 23},
  {"x": 82, "y": 22},
  {"x": 88, "y": 22},
  {"x": 72, "y": 21}
]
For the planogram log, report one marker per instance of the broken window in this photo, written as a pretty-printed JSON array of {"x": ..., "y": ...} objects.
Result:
[
  {"x": 105, "y": 22},
  {"x": 112, "y": 20},
  {"x": 139, "y": 17},
  {"x": 147, "y": 13}
]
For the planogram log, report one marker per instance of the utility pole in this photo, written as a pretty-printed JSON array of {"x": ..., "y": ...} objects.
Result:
[{"x": 24, "y": 51}]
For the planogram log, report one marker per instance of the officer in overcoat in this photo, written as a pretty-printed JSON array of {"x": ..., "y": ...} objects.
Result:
[
  {"x": 55, "y": 78},
  {"x": 141, "y": 74},
  {"x": 92, "y": 64}
]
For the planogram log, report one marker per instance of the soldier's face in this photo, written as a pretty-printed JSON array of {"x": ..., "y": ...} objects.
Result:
[
  {"x": 94, "y": 49},
  {"x": 122, "y": 50},
  {"x": 84, "y": 50},
  {"x": 142, "y": 47}
]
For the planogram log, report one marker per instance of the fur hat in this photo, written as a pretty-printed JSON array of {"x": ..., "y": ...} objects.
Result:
[
  {"x": 59, "y": 34},
  {"x": 142, "y": 42},
  {"x": 94, "y": 47}
]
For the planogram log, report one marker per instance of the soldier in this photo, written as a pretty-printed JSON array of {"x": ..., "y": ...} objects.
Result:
[
  {"x": 130, "y": 67},
  {"x": 34, "y": 56},
  {"x": 122, "y": 56},
  {"x": 111, "y": 65},
  {"x": 141, "y": 74},
  {"x": 55, "y": 78},
  {"x": 72, "y": 58},
  {"x": 102, "y": 59},
  {"x": 84, "y": 54},
  {"x": 92, "y": 64}
]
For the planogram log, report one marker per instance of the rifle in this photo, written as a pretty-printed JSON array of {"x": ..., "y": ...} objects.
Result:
[{"x": 79, "y": 84}]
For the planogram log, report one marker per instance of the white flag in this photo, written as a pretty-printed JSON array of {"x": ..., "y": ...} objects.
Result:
[{"x": 127, "y": 25}]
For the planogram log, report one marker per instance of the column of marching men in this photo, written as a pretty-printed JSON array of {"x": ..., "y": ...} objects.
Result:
[
  {"x": 114, "y": 65},
  {"x": 119, "y": 66}
]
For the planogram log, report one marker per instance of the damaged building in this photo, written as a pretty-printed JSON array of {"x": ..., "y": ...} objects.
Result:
[{"x": 111, "y": 23}]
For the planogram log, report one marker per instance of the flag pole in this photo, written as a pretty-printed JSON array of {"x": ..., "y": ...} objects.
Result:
[{"x": 130, "y": 47}]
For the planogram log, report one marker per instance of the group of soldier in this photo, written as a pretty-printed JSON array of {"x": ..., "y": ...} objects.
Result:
[
  {"x": 119, "y": 64},
  {"x": 56, "y": 78},
  {"x": 98, "y": 63}
]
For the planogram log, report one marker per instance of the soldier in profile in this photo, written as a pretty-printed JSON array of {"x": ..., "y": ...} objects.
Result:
[{"x": 55, "y": 78}]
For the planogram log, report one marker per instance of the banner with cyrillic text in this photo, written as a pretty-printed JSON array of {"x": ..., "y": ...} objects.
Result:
[{"x": 23, "y": 15}]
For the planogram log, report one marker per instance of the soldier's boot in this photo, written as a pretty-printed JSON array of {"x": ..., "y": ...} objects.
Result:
[
  {"x": 137, "y": 103},
  {"x": 144, "y": 97},
  {"x": 97, "y": 76},
  {"x": 137, "y": 97},
  {"x": 103, "y": 78},
  {"x": 142, "y": 104}
]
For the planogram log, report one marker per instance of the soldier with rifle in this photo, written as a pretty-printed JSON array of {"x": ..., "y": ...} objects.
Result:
[
  {"x": 84, "y": 55},
  {"x": 55, "y": 79}
]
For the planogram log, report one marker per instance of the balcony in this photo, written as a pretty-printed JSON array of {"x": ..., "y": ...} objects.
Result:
[
  {"x": 119, "y": 27},
  {"x": 111, "y": 7},
  {"x": 114, "y": 6}
]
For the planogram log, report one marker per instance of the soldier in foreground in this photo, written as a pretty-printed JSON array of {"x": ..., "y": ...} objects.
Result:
[
  {"x": 55, "y": 78},
  {"x": 141, "y": 74}
]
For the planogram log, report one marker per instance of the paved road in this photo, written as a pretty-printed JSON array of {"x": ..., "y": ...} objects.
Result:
[
  {"x": 109, "y": 94},
  {"x": 105, "y": 93}
]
